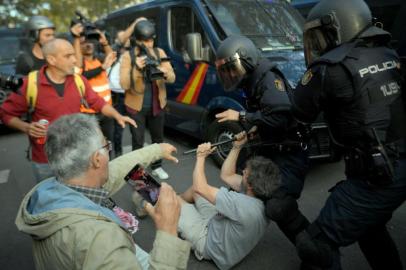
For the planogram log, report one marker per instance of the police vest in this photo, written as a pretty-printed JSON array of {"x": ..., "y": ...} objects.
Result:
[
  {"x": 377, "y": 100},
  {"x": 267, "y": 77},
  {"x": 264, "y": 78}
]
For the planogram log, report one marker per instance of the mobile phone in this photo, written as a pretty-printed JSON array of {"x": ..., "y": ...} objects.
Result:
[{"x": 143, "y": 183}]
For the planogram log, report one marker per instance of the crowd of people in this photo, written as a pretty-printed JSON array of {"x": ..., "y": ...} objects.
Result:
[{"x": 87, "y": 101}]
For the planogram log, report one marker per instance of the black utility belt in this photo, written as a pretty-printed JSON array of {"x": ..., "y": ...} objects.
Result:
[
  {"x": 372, "y": 165},
  {"x": 286, "y": 147}
]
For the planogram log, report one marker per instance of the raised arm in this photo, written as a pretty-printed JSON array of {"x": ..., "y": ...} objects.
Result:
[
  {"x": 76, "y": 31},
  {"x": 229, "y": 169},
  {"x": 119, "y": 167},
  {"x": 200, "y": 185}
]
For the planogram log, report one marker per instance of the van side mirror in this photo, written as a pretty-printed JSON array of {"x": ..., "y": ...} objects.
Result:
[{"x": 194, "y": 51}]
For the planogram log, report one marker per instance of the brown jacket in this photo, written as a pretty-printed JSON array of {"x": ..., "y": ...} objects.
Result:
[{"x": 134, "y": 97}]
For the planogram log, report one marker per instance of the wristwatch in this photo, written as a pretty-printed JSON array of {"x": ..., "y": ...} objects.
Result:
[{"x": 242, "y": 117}]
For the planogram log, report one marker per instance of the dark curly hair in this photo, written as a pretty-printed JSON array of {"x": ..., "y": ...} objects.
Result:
[{"x": 264, "y": 177}]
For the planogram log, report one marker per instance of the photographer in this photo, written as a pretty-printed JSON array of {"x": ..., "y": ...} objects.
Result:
[
  {"x": 143, "y": 74},
  {"x": 86, "y": 38}
]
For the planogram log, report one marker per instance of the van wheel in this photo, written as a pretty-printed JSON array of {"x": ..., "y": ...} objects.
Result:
[{"x": 218, "y": 132}]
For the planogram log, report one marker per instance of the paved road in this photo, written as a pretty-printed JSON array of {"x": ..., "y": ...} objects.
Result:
[{"x": 273, "y": 252}]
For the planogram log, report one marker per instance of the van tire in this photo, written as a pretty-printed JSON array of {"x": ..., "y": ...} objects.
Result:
[{"x": 221, "y": 132}]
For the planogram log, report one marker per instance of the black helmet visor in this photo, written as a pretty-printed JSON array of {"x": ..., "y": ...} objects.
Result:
[
  {"x": 231, "y": 72},
  {"x": 314, "y": 45},
  {"x": 319, "y": 36}
]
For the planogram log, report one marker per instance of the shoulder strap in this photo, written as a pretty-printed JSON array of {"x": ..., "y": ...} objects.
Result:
[
  {"x": 80, "y": 85},
  {"x": 156, "y": 51},
  {"x": 32, "y": 93},
  {"x": 133, "y": 64}
]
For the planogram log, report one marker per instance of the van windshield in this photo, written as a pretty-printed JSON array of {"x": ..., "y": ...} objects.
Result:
[
  {"x": 9, "y": 49},
  {"x": 270, "y": 24}
]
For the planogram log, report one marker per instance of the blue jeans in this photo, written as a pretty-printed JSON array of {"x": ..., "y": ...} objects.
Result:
[{"x": 41, "y": 171}]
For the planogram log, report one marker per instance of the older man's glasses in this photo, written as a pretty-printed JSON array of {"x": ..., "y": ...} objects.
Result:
[{"x": 108, "y": 146}]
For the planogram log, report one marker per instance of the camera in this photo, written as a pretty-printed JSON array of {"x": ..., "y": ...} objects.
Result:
[
  {"x": 152, "y": 73},
  {"x": 10, "y": 82},
  {"x": 89, "y": 28}
]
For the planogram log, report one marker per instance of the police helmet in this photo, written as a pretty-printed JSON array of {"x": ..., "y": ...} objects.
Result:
[
  {"x": 236, "y": 57},
  {"x": 35, "y": 24},
  {"x": 144, "y": 30},
  {"x": 332, "y": 23}
]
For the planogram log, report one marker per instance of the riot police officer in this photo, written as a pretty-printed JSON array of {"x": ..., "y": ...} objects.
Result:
[
  {"x": 239, "y": 66},
  {"x": 353, "y": 77}
]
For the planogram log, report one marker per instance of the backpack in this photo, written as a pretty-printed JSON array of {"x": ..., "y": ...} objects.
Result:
[{"x": 32, "y": 93}]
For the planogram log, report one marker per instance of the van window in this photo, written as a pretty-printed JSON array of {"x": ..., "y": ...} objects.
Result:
[
  {"x": 272, "y": 25},
  {"x": 119, "y": 22},
  {"x": 184, "y": 21},
  {"x": 9, "y": 49}
]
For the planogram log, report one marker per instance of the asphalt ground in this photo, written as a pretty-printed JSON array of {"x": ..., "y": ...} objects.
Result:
[{"x": 274, "y": 251}]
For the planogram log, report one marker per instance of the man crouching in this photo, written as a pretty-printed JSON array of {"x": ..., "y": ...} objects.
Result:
[{"x": 225, "y": 225}]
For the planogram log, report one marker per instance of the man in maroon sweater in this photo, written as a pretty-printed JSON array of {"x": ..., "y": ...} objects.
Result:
[{"x": 57, "y": 96}]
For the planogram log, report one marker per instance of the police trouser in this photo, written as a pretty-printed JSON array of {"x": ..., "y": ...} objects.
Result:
[
  {"x": 356, "y": 212},
  {"x": 282, "y": 207}
]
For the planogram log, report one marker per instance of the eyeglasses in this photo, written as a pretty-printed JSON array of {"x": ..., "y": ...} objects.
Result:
[{"x": 108, "y": 146}]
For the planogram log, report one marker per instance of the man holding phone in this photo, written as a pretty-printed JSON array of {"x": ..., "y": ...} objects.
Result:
[{"x": 70, "y": 216}]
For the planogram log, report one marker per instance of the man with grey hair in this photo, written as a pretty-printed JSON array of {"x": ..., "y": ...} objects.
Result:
[
  {"x": 57, "y": 93},
  {"x": 71, "y": 218}
]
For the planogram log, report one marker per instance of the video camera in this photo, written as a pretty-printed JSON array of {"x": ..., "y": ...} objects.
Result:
[
  {"x": 10, "y": 82},
  {"x": 89, "y": 28},
  {"x": 152, "y": 73}
]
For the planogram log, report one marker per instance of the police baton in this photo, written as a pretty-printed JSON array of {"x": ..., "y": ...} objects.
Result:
[
  {"x": 250, "y": 133},
  {"x": 214, "y": 144}
]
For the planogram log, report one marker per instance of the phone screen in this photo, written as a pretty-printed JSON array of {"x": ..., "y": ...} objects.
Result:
[{"x": 143, "y": 183}]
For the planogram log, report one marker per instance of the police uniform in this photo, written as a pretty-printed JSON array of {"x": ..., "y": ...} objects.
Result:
[
  {"x": 357, "y": 86},
  {"x": 268, "y": 105}
]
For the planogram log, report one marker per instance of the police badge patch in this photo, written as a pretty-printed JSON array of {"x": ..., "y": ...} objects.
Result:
[
  {"x": 279, "y": 85},
  {"x": 307, "y": 77}
]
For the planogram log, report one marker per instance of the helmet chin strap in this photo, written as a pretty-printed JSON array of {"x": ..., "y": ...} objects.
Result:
[{"x": 247, "y": 66}]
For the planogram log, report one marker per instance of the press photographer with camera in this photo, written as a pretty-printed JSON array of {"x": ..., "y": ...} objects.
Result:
[
  {"x": 143, "y": 73},
  {"x": 86, "y": 38}
]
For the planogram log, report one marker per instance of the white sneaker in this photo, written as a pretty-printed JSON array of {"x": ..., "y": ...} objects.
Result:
[{"x": 160, "y": 173}]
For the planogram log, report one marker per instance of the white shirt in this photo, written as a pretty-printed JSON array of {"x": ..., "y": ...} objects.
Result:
[{"x": 114, "y": 77}]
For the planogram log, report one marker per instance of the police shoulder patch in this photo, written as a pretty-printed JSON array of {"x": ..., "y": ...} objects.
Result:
[
  {"x": 307, "y": 77},
  {"x": 279, "y": 85}
]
